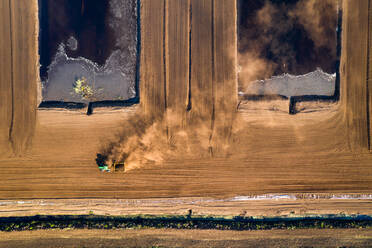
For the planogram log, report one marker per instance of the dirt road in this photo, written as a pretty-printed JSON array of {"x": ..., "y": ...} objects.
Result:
[{"x": 266, "y": 205}]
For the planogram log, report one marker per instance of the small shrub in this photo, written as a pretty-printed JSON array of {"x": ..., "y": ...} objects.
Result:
[{"x": 83, "y": 89}]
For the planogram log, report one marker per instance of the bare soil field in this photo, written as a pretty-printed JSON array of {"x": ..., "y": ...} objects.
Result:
[
  {"x": 274, "y": 205},
  {"x": 187, "y": 238},
  {"x": 289, "y": 162}
]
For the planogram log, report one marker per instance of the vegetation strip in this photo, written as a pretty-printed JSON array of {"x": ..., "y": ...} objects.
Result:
[{"x": 181, "y": 222}]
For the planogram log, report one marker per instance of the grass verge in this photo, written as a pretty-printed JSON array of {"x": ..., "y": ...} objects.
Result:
[{"x": 92, "y": 221}]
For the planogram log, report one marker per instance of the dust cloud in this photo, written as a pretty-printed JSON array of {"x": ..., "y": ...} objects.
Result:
[
  {"x": 319, "y": 19},
  {"x": 295, "y": 37},
  {"x": 145, "y": 141}
]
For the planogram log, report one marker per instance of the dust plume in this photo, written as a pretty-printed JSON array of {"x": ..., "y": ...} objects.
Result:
[
  {"x": 319, "y": 20},
  {"x": 295, "y": 37},
  {"x": 145, "y": 141},
  {"x": 252, "y": 67}
]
